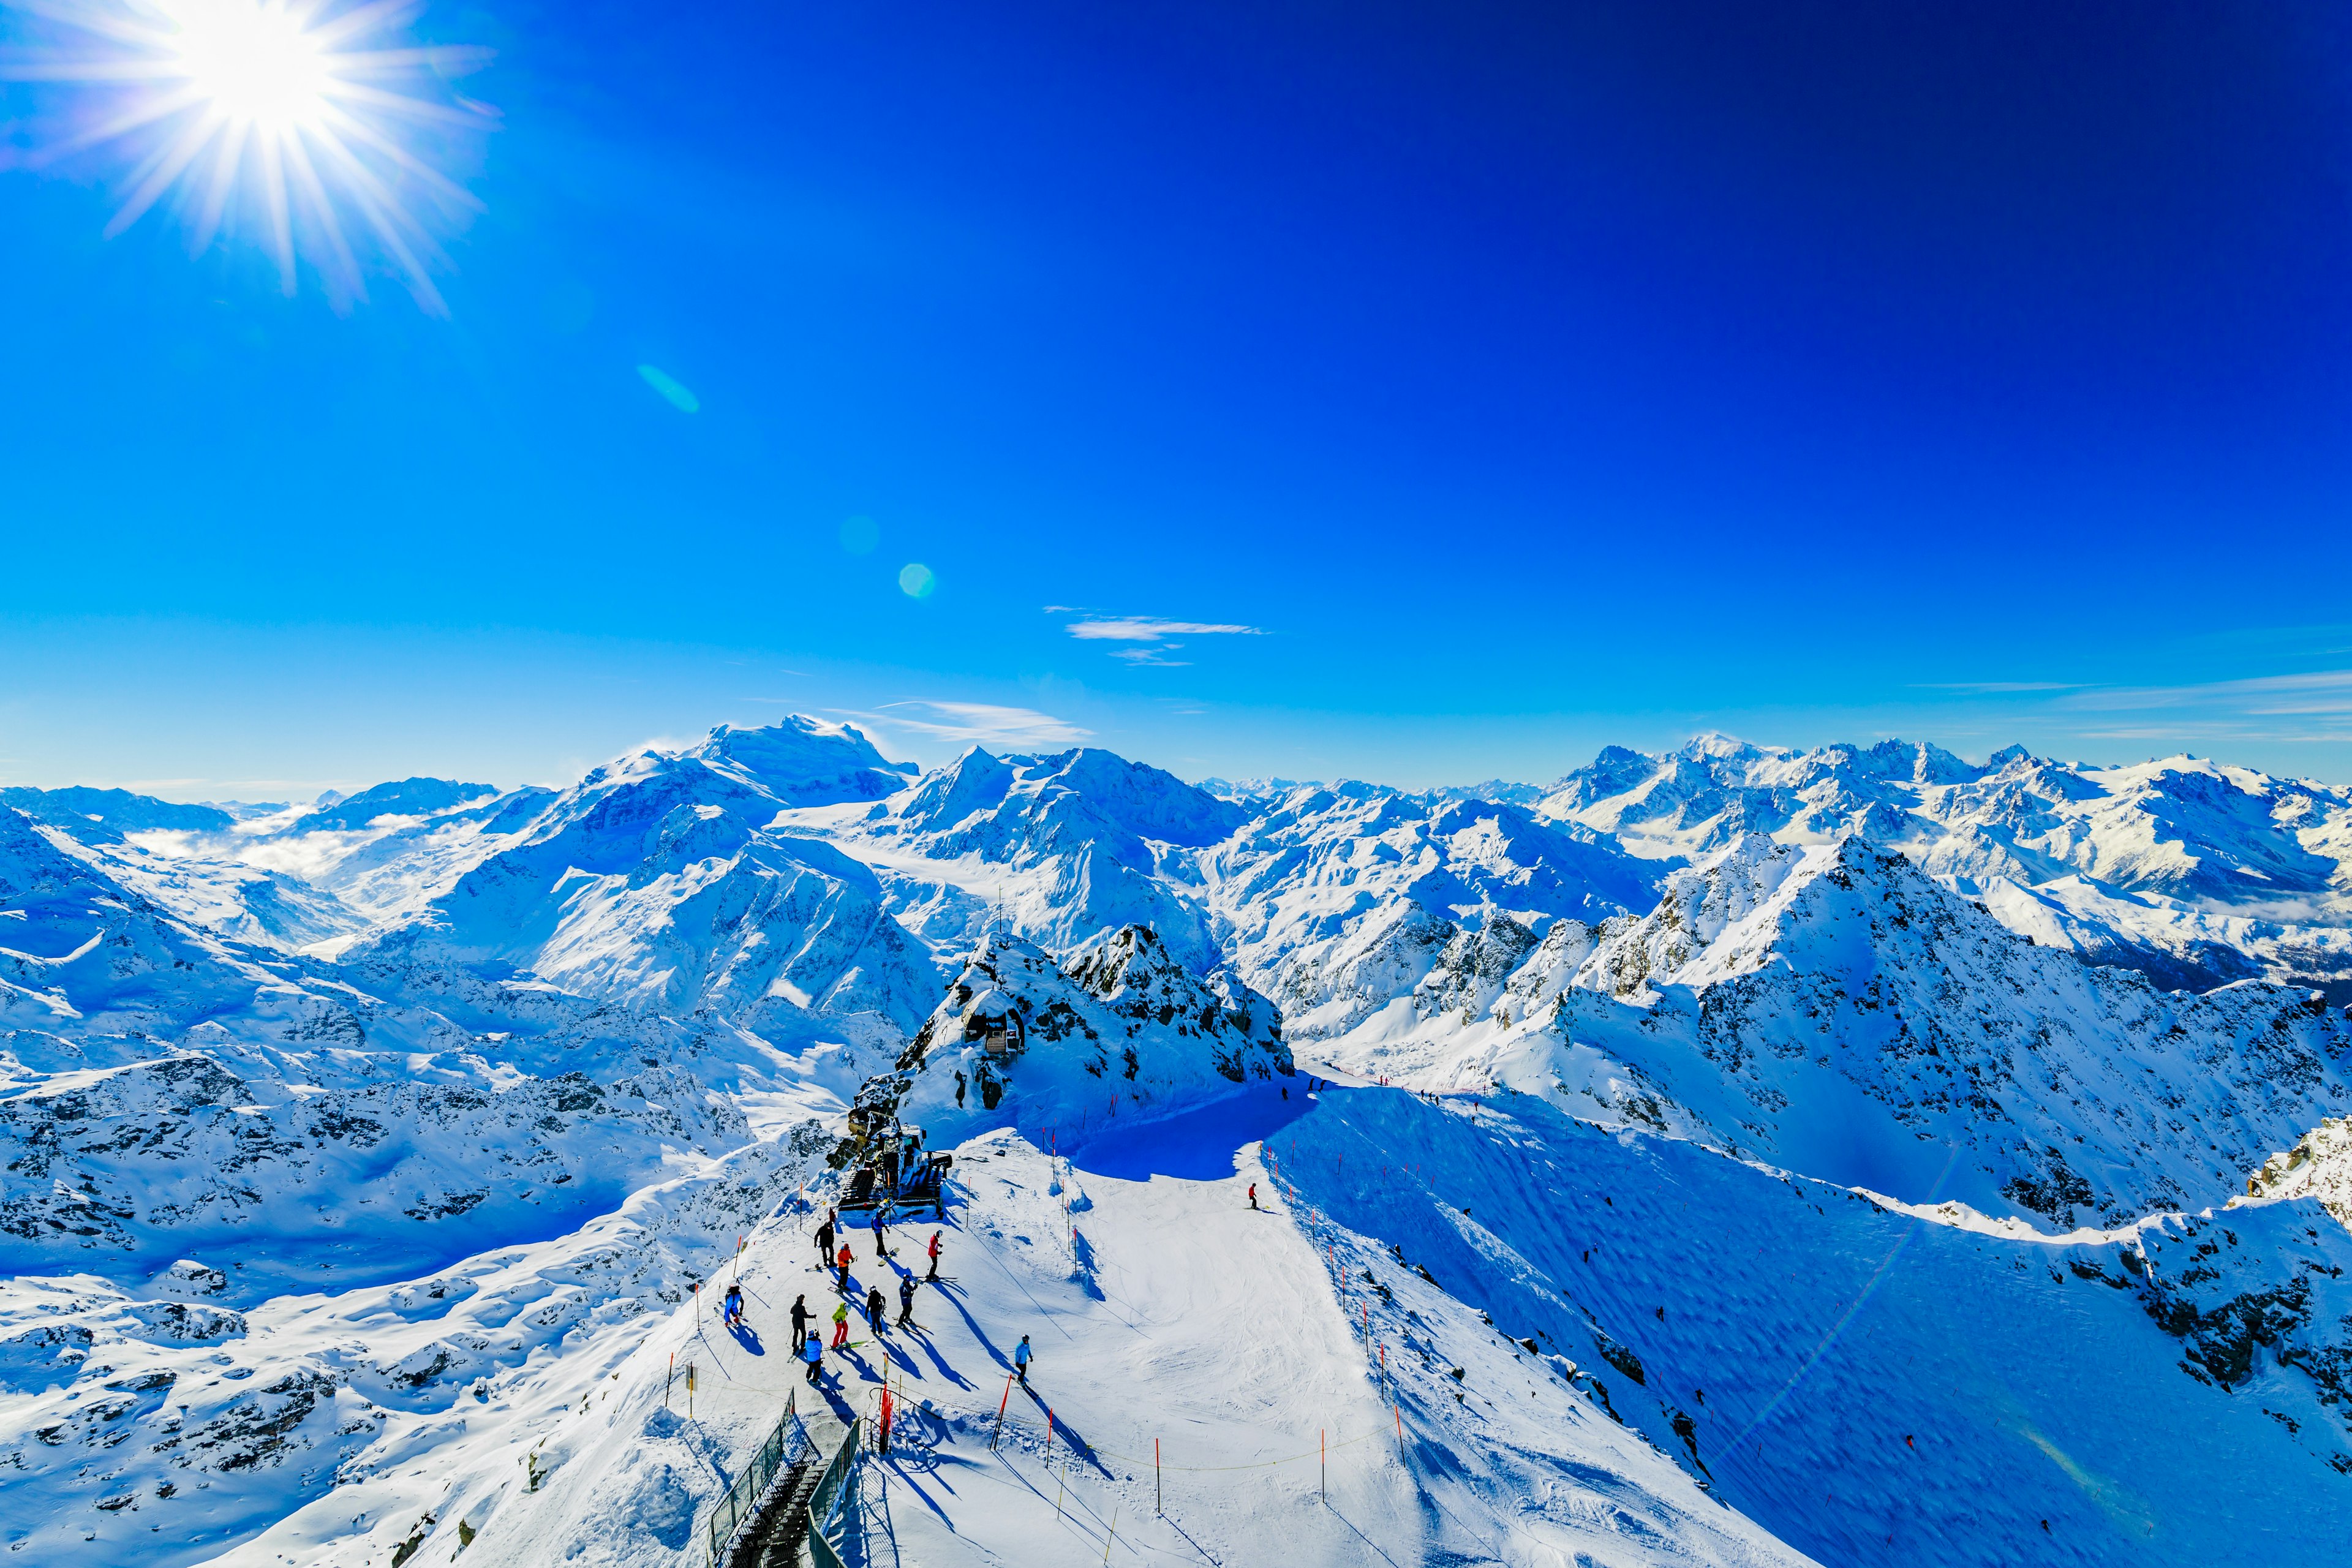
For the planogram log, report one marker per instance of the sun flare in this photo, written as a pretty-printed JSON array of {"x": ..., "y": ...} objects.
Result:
[{"x": 266, "y": 120}]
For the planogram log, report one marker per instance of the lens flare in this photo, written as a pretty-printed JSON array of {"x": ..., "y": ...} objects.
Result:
[
  {"x": 916, "y": 581},
  {"x": 265, "y": 118},
  {"x": 674, "y": 392}
]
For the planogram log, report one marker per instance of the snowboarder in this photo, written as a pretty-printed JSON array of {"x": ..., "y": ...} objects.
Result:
[
  {"x": 825, "y": 1240},
  {"x": 734, "y": 1305},
  {"x": 880, "y": 1222},
  {"x": 840, "y": 1325},
  {"x": 959, "y": 1089},
  {"x": 934, "y": 1277},
  {"x": 907, "y": 1302},
  {"x": 873, "y": 1305},
  {"x": 801, "y": 1316},
  {"x": 841, "y": 1262},
  {"x": 1021, "y": 1356},
  {"x": 1253, "y": 1194},
  {"x": 812, "y": 1353}
]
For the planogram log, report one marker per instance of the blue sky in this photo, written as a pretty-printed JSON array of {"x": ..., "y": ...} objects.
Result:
[{"x": 1526, "y": 378}]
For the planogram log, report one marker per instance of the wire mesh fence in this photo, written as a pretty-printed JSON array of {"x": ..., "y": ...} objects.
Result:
[
  {"x": 779, "y": 1449},
  {"x": 824, "y": 1503}
]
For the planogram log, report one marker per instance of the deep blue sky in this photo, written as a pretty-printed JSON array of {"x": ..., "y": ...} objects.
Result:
[{"x": 1532, "y": 376}]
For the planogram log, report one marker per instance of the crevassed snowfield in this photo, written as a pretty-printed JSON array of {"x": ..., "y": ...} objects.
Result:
[{"x": 1738, "y": 1156}]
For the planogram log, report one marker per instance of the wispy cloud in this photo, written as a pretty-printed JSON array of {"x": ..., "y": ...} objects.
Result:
[
  {"x": 2318, "y": 691},
  {"x": 1152, "y": 629},
  {"x": 985, "y": 724},
  {"x": 1995, "y": 688},
  {"x": 1151, "y": 656}
]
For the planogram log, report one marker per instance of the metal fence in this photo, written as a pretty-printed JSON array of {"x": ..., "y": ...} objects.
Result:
[
  {"x": 783, "y": 1447},
  {"x": 824, "y": 1503}
]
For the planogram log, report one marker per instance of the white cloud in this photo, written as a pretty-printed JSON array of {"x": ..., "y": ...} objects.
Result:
[
  {"x": 1151, "y": 656},
  {"x": 986, "y": 723},
  {"x": 1151, "y": 629}
]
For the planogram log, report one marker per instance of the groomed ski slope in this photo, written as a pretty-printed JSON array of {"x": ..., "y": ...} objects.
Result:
[{"x": 1174, "y": 1313}]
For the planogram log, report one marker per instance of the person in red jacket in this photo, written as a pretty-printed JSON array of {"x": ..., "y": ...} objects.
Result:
[
  {"x": 932, "y": 1278},
  {"x": 1253, "y": 1194},
  {"x": 841, "y": 1262}
]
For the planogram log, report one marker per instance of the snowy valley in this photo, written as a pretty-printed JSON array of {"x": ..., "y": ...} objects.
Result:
[{"x": 1739, "y": 1155}]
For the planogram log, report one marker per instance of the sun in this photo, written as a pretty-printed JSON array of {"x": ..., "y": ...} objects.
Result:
[
  {"x": 253, "y": 63},
  {"x": 311, "y": 128}
]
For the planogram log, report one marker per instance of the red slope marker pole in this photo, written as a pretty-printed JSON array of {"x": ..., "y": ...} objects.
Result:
[
  {"x": 1000, "y": 1413},
  {"x": 1323, "y": 1458},
  {"x": 1155, "y": 1476}
]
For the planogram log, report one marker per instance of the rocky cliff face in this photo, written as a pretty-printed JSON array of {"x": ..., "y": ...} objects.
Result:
[{"x": 1122, "y": 1029}]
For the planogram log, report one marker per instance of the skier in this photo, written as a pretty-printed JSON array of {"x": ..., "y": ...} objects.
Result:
[
  {"x": 800, "y": 1320},
  {"x": 934, "y": 1277},
  {"x": 959, "y": 1089},
  {"x": 840, "y": 1325},
  {"x": 842, "y": 1263},
  {"x": 1021, "y": 1356},
  {"x": 1253, "y": 1195},
  {"x": 907, "y": 1302},
  {"x": 812, "y": 1353},
  {"x": 734, "y": 1308},
  {"x": 873, "y": 1305},
  {"x": 880, "y": 1210},
  {"x": 825, "y": 1240}
]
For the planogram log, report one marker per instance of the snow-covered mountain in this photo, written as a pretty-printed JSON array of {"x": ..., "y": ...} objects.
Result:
[
  {"x": 2198, "y": 872},
  {"x": 1062, "y": 849},
  {"x": 361, "y": 1157},
  {"x": 1337, "y": 900}
]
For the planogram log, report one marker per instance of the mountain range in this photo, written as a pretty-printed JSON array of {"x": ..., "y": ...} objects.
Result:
[{"x": 437, "y": 1102}]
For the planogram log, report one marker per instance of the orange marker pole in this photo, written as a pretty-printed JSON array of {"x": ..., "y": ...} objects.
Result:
[{"x": 1155, "y": 1475}]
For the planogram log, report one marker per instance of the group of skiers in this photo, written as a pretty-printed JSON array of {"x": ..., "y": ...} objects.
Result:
[{"x": 808, "y": 1342}]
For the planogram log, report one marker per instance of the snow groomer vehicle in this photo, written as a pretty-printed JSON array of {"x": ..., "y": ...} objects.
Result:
[{"x": 893, "y": 1170}]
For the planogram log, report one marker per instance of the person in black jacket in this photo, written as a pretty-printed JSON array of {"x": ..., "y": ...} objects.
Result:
[
  {"x": 907, "y": 1302},
  {"x": 825, "y": 1240},
  {"x": 874, "y": 1307},
  {"x": 799, "y": 1321}
]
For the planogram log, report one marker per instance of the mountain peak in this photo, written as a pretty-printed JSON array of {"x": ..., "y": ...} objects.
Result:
[{"x": 803, "y": 760}]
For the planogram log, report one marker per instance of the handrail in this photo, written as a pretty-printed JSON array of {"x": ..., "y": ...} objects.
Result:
[
  {"x": 824, "y": 1503},
  {"x": 742, "y": 1500}
]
